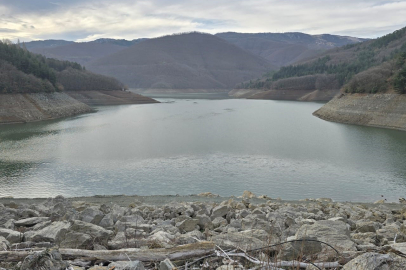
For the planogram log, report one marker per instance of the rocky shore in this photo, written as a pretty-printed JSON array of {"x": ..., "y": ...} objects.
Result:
[
  {"x": 200, "y": 232},
  {"x": 377, "y": 110}
]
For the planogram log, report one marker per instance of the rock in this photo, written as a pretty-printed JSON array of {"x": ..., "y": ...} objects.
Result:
[
  {"x": 98, "y": 234},
  {"x": 369, "y": 238},
  {"x": 4, "y": 244},
  {"x": 167, "y": 265},
  {"x": 244, "y": 240},
  {"x": 364, "y": 226},
  {"x": 11, "y": 236},
  {"x": 187, "y": 225},
  {"x": 51, "y": 233},
  {"x": 45, "y": 260},
  {"x": 248, "y": 195},
  {"x": 29, "y": 222},
  {"x": 164, "y": 239},
  {"x": 121, "y": 240},
  {"x": 219, "y": 222},
  {"x": 77, "y": 241},
  {"x": 390, "y": 232},
  {"x": 219, "y": 211},
  {"x": 107, "y": 221},
  {"x": 204, "y": 222},
  {"x": 208, "y": 195},
  {"x": 121, "y": 265},
  {"x": 298, "y": 249},
  {"x": 335, "y": 233},
  {"x": 92, "y": 214},
  {"x": 376, "y": 261}
]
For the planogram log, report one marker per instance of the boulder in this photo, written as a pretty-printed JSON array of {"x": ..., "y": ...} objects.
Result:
[
  {"x": 77, "y": 241},
  {"x": 244, "y": 240},
  {"x": 29, "y": 222},
  {"x": 11, "y": 236},
  {"x": 92, "y": 214},
  {"x": 187, "y": 225},
  {"x": 219, "y": 211},
  {"x": 364, "y": 226},
  {"x": 98, "y": 234},
  {"x": 4, "y": 244},
  {"x": 52, "y": 233},
  {"x": 335, "y": 233},
  {"x": 45, "y": 260},
  {"x": 376, "y": 261},
  {"x": 167, "y": 265}
]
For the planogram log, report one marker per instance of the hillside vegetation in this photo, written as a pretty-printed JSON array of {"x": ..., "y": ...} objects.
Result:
[
  {"x": 24, "y": 72},
  {"x": 184, "y": 61},
  {"x": 369, "y": 67},
  {"x": 282, "y": 49}
]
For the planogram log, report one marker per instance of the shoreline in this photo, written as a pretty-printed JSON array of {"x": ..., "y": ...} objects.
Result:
[
  {"x": 93, "y": 232},
  {"x": 159, "y": 200}
]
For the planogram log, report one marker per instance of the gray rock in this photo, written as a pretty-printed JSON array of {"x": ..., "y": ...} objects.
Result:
[
  {"x": 11, "y": 236},
  {"x": 187, "y": 225},
  {"x": 125, "y": 265},
  {"x": 163, "y": 239},
  {"x": 244, "y": 240},
  {"x": 204, "y": 222},
  {"x": 219, "y": 222},
  {"x": 335, "y": 233},
  {"x": 29, "y": 222},
  {"x": 167, "y": 265},
  {"x": 107, "y": 221},
  {"x": 76, "y": 240},
  {"x": 219, "y": 211},
  {"x": 51, "y": 233},
  {"x": 92, "y": 214},
  {"x": 376, "y": 261},
  {"x": 133, "y": 219},
  {"x": 364, "y": 226},
  {"x": 296, "y": 250},
  {"x": 369, "y": 238},
  {"x": 99, "y": 234},
  {"x": 45, "y": 260},
  {"x": 4, "y": 244}
]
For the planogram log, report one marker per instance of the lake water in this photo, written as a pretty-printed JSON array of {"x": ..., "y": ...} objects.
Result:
[{"x": 186, "y": 147}]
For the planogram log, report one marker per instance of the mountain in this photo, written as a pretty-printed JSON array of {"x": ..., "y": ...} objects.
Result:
[
  {"x": 361, "y": 67},
  {"x": 184, "y": 61},
  {"x": 286, "y": 48},
  {"x": 80, "y": 52}
]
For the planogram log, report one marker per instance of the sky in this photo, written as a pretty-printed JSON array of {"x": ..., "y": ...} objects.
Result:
[{"x": 87, "y": 20}]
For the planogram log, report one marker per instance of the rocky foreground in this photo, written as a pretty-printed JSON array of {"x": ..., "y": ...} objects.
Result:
[{"x": 204, "y": 233}]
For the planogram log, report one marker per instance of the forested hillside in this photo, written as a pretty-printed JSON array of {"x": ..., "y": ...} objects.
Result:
[
  {"x": 24, "y": 72},
  {"x": 183, "y": 61},
  {"x": 282, "y": 49},
  {"x": 372, "y": 66}
]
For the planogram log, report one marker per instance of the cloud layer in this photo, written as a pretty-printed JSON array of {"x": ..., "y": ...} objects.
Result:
[{"x": 85, "y": 20}]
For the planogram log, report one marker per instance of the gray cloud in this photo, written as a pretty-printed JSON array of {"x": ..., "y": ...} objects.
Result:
[{"x": 90, "y": 19}]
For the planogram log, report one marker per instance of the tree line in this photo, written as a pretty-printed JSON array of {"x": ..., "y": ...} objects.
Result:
[{"x": 24, "y": 72}]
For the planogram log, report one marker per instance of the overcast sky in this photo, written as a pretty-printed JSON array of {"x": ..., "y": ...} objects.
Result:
[{"x": 85, "y": 20}]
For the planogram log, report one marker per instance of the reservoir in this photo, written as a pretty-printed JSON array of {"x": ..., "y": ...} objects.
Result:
[{"x": 189, "y": 146}]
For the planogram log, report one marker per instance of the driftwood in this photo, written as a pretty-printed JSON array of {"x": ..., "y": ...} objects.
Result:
[{"x": 177, "y": 253}]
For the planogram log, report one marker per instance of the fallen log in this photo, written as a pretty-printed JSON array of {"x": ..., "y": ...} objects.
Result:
[{"x": 150, "y": 255}]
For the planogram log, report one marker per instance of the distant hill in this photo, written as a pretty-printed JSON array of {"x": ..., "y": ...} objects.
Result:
[
  {"x": 366, "y": 67},
  {"x": 286, "y": 48},
  {"x": 24, "y": 72},
  {"x": 80, "y": 52},
  {"x": 184, "y": 61}
]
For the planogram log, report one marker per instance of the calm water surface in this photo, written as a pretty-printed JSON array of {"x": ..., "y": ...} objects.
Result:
[{"x": 191, "y": 146}]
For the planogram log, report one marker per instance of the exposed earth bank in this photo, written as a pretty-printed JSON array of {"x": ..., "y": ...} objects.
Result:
[
  {"x": 207, "y": 231},
  {"x": 23, "y": 108},
  {"x": 298, "y": 95},
  {"x": 377, "y": 110}
]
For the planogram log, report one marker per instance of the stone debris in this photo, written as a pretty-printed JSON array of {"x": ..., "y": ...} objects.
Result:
[{"x": 372, "y": 235}]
